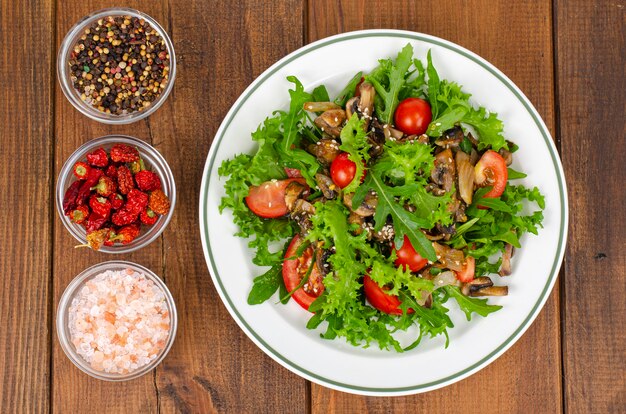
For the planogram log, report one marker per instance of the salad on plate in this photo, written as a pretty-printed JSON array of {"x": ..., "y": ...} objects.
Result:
[{"x": 376, "y": 209}]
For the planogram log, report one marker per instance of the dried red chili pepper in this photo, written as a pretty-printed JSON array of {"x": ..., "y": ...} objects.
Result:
[
  {"x": 124, "y": 153},
  {"x": 98, "y": 158},
  {"x": 159, "y": 203},
  {"x": 85, "y": 189},
  {"x": 136, "y": 201},
  {"x": 94, "y": 222},
  {"x": 105, "y": 187},
  {"x": 148, "y": 217},
  {"x": 96, "y": 238},
  {"x": 125, "y": 179},
  {"x": 81, "y": 170},
  {"x": 69, "y": 199},
  {"x": 126, "y": 234},
  {"x": 100, "y": 205},
  {"x": 79, "y": 215},
  {"x": 147, "y": 181},
  {"x": 111, "y": 172},
  {"x": 123, "y": 217},
  {"x": 117, "y": 201}
]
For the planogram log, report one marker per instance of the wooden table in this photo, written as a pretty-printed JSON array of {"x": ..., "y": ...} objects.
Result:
[{"x": 567, "y": 57}]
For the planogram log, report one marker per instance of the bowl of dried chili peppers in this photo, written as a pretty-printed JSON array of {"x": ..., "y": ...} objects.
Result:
[
  {"x": 116, "y": 65},
  {"x": 115, "y": 194}
]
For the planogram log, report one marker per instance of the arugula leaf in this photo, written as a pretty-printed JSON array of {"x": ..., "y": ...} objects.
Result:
[
  {"x": 320, "y": 94},
  {"x": 404, "y": 222},
  {"x": 266, "y": 285},
  {"x": 515, "y": 175},
  {"x": 471, "y": 305},
  {"x": 389, "y": 81}
]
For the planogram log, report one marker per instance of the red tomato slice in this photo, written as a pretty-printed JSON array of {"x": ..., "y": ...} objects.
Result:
[
  {"x": 294, "y": 269},
  {"x": 292, "y": 172},
  {"x": 491, "y": 171},
  {"x": 268, "y": 199},
  {"x": 412, "y": 116},
  {"x": 407, "y": 256},
  {"x": 377, "y": 297},
  {"x": 467, "y": 274}
]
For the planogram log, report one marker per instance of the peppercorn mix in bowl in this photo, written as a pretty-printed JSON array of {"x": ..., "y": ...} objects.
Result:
[
  {"x": 116, "y": 321},
  {"x": 115, "y": 194},
  {"x": 116, "y": 66}
]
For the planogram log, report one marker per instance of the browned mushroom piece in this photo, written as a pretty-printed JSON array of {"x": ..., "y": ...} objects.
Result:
[
  {"x": 443, "y": 172},
  {"x": 391, "y": 133},
  {"x": 505, "y": 268},
  {"x": 491, "y": 291},
  {"x": 321, "y": 259},
  {"x": 465, "y": 176},
  {"x": 326, "y": 185},
  {"x": 451, "y": 258},
  {"x": 354, "y": 218},
  {"x": 301, "y": 214},
  {"x": 451, "y": 138},
  {"x": 325, "y": 150},
  {"x": 366, "y": 102},
  {"x": 367, "y": 207},
  {"x": 331, "y": 121},
  {"x": 294, "y": 191},
  {"x": 507, "y": 155},
  {"x": 352, "y": 107},
  {"x": 376, "y": 138},
  {"x": 476, "y": 284},
  {"x": 434, "y": 189},
  {"x": 320, "y": 106}
]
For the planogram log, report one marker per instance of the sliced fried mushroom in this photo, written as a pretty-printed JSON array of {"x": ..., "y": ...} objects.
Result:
[
  {"x": 491, "y": 291},
  {"x": 505, "y": 268},
  {"x": 325, "y": 150},
  {"x": 367, "y": 207},
  {"x": 451, "y": 138},
  {"x": 476, "y": 284},
  {"x": 451, "y": 258},
  {"x": 443, "y": 172},
  {"x": 301, "y": 214},
  {"x": 366, "y": 102},
  {"x": 354, "y": 218},
  {"x": 293, "y": 191},
  {"x": 330, "y": 122},
  {"x": 352, "y": 106},
  {"x": 507, "y": 155},
  {"x": 465, "y": 174},
  {"x": 321, "y": 259},
  {"x": 320, "y": 106},
  {"x": 326, "y": 185}
]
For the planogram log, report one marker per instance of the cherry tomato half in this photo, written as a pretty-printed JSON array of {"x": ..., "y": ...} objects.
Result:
[
  {"x": 467, "y": 274},
  {"x": 343, "y": 170},
  {"x": 491, "y": 171},
  {"x": 268, "y": 199},
  {"x": 408, "y": 257},
  {"x": 413, "y": 116},
  {"x": 377, "y": 297},
  {"x": 294, "y": 269}
]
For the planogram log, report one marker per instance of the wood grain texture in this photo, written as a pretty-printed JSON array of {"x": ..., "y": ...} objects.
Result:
[
  {"x": 491, "y": 29},
  {"x": 221, "y": 48},
  {"x": 591, "y": 87},
  {"x": 25, "y": 150},
  {"x": 72, "y": 390}
]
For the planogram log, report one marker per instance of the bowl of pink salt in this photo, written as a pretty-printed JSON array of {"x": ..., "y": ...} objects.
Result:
[{"x": 116, "y": 321}]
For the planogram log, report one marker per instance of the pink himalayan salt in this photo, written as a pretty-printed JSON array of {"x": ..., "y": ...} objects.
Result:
[{"x": 119, "y": 321}]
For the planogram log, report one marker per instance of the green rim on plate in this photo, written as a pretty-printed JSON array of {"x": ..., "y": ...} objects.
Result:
[{"x": 562, "y": 198}]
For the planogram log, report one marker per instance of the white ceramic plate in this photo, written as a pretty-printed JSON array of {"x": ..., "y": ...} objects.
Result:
[{"x": 280, "y": 330}]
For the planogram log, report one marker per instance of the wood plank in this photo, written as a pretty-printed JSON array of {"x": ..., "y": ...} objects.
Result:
[
  {"x": 74, "y": 391},
  {"x": 516, "y": 37},
  {"x": 26, "y": 93},
  {"x": 221, "y": 47},
  {"x": 591, "y": 87}
]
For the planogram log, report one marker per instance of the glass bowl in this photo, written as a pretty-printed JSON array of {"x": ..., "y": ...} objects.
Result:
[
  {"x": 64, "y": 73},
  {"x": 153, "y": 161},
  {"x": 62, "y": 319}
]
